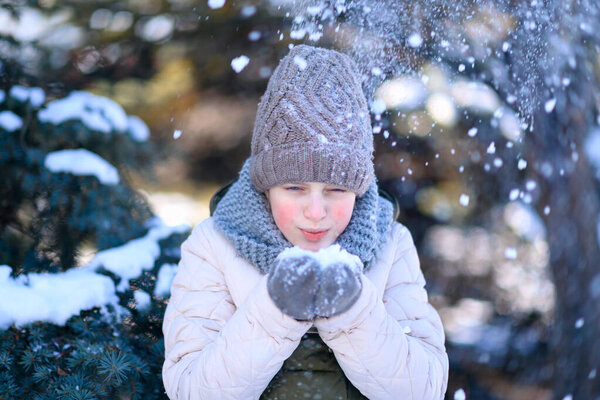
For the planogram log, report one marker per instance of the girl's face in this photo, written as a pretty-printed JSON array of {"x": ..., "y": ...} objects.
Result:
[{"x": 311, "y": 215}]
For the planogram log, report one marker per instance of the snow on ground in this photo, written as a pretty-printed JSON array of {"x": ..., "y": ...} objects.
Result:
[
  {"x": 57, "y": 297},
  {"x": 82, "y": 162},
  {"x": 10, "y": 121}
]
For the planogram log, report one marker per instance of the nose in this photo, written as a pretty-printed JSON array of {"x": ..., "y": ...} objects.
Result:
[{"x": 315, "y": 209}]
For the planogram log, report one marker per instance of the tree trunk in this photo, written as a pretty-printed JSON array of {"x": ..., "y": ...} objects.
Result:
[{"x": 572, "y": 234}]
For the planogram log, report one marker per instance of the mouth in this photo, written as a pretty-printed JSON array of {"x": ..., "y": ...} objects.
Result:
[{"x": 313, "y": 235}]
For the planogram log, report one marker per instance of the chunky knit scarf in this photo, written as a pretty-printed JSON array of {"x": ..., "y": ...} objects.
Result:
[{"x": 244, "y": 217}]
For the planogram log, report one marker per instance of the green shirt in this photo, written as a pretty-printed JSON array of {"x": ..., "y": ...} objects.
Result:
[{"x": 311, "y": 372}]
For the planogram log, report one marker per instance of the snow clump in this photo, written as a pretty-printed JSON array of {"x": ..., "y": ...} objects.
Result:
[
  {"x": 134, "y": 257},
  {"x": 138, "y": 129},
  {"x": 35, "y": 95},
  {"x": 51, "y": 297},
  {"x": 331, "y": 255},
  {"x": 82, "y": 162},
  {"x": 143, "y": 300},
  {"x": 164, "y": 278},
  {"x": 57, "y": 297},
  {"x": 95, "y": 112},
  {"x": 10, "y": 121}
]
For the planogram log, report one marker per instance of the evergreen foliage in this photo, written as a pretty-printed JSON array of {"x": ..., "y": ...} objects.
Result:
[{"x": 46, "y": 217}]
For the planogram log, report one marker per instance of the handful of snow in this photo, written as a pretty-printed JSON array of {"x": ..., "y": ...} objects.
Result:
[
  {"x": 306, "y": 284},
  {"x": 331, "y": 255}
]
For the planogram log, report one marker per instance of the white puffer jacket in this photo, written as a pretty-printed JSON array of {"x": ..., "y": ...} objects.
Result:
[{"x": 226, "y": 339}]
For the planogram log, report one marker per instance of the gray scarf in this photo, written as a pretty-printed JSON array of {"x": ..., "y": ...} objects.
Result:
[{"x": 244, "y": 217}]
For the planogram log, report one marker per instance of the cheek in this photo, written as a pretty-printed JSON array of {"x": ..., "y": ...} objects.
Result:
[
  {"x": 342, "y": 212},
  {"x": 283, "y": 214}
]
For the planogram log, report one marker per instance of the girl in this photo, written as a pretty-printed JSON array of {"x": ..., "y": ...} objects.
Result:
[{"x": 251, "y": 318}]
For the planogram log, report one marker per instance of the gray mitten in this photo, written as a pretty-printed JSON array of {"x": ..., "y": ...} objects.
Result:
[
  {"x": 293, "y": 284},
  {"x": 340, "y": 288}
]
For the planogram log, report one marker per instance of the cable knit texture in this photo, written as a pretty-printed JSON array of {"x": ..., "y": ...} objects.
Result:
[
  {"x": 313, "y": 124},
  {"x": 244, "y": 217}
]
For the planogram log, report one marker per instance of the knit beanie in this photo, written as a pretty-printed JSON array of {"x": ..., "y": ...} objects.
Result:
[{"x": 313, "y": 124}]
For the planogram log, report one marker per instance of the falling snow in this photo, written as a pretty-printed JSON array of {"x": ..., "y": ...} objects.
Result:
[
  {"x": 549, "y": 105},
  {"x": 214, "y": 4},
  {"x": 239, "y": 63},
  {"x": 415, "y": 40},
  {"x": 460, "y": 395},
  {"x": 510, "y": 253},
  {"x": 514, "y": 194}
]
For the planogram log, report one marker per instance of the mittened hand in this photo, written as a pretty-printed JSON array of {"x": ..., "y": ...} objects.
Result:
[
  {"x": 339, "y": 289},
  {"x": 306, "y": 285},
  {"x": 293, "y": 284}
]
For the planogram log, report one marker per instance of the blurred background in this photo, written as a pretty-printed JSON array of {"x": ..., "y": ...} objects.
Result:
[{"x": 485, "y": 119}]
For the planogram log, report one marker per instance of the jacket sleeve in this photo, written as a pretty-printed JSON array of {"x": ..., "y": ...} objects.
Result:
[
  {"x": 212, "y": 349},
  {"x": 392, "y": 347}
]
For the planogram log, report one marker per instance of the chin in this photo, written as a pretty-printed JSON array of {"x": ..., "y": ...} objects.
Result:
[{"x": 313, "y": 246}]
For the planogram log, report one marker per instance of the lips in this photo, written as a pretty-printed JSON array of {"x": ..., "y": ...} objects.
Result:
[{"x": 313, "y": 235}]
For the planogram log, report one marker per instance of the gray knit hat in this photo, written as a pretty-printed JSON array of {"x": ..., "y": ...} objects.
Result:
[{"x": 313, "y": 124}]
